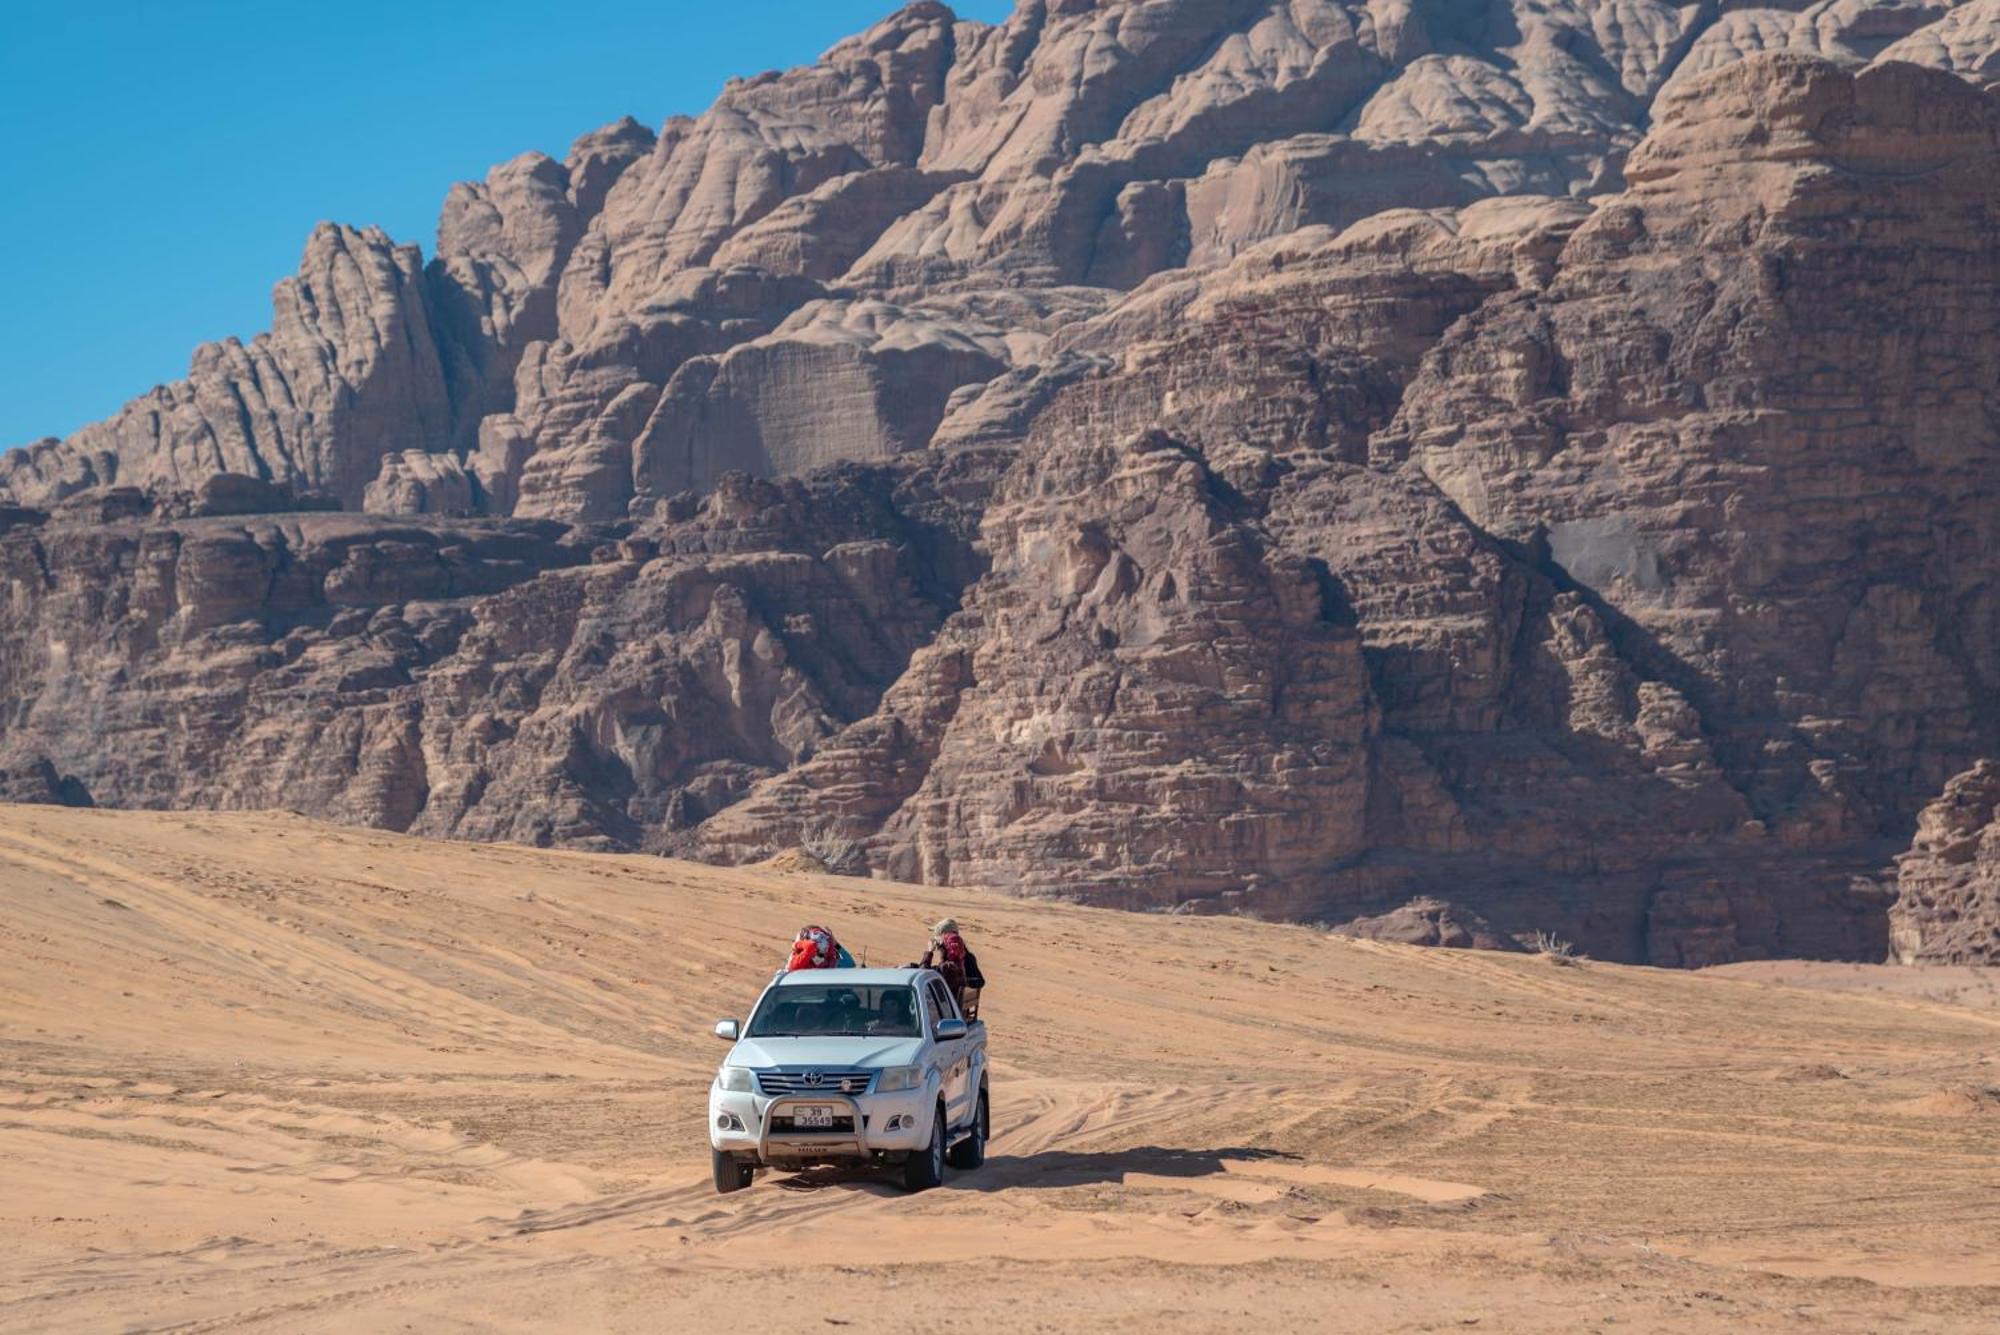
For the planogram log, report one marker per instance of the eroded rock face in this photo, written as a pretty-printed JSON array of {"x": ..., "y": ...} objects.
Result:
[
  {"x": 1706, "y": 421},
  {"x": 1536, "y": 736},
  {"x": 1947, "y": 908},
  {"x": 1428, "y": 922},
  {"x": 1074, "y": 148},
  {"x": 619, "y": 705},
  {"x": 233, "y": 663},
  {"x": 1270, "y": 456},
  {"x": 836, "y": 381},
  {"x": 1966, "y": 42},
  {"x": 350, "y": 369},
  {"x": 1150, "y": 699},
  {"x": 600, "y": 688}
]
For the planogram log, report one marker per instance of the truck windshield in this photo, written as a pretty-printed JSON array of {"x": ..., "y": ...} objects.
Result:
[{"x": 807, "y": 1010}]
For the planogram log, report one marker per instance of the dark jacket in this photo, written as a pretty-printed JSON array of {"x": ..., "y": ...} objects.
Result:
[{"x": 973, "y": 978}]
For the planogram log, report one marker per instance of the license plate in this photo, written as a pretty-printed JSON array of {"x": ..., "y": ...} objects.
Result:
[{"x": 807, "y": 1116}]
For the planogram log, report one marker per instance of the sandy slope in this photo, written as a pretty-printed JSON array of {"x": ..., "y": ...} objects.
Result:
[
  {"x": 1953, "y": 984},
  {"x": 259, "y": 1071}
]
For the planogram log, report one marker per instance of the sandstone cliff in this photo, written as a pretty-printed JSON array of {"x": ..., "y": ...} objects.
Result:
[
  {"x": 1319, "y": 461},
  {"x": 992, "y": 183},
  {"x": 1947, "y": 909}
]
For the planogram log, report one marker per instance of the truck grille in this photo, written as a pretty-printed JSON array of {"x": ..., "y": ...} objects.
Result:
[{"x": 816, "y": 1080}]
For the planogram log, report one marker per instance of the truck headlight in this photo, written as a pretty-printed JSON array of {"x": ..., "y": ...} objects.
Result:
[
  {"x": 737, "y": 1079},
  {"x": 894, "y": 1078}
]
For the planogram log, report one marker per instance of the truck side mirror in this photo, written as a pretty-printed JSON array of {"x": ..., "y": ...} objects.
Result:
[
  {"x": 728, "y": 1030},
  {"x": 950, "y": 1029}
]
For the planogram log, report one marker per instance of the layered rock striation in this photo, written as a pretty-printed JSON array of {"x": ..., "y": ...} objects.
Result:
[{"x": 516, "y": 679}]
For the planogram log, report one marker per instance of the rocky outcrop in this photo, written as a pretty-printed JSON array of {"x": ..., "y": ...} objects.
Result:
[
  {"x": 1965, "y": 42},
  {"x": 1428, "y": 922},
  {"x": 502, "y": 244},
  {"x": 1947, "y": 908},
  {"x": 860, "y": 381},
  {"x": 1571, "y": 717},
  {"x": 489, "y": 679},
  {"x": 1203, "y": 455},
  {"x": 417, "y": 482},
  {"x": 1850, "y": 32},
  {"x": 620, "y": 704},
  {"x": 1701, "y": 422},
  {"x": 1537, "y": 745},
  {"x": 939, "y": 166},
  {"x": 349, "y": 370},
  {"x": 225, "y": 663}
]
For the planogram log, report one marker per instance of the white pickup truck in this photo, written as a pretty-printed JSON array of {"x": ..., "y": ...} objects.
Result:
[{"x": 854, "y": 1066}]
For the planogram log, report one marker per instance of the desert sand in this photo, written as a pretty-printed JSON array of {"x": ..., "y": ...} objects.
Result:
[{"x": 257, "y": 1072}]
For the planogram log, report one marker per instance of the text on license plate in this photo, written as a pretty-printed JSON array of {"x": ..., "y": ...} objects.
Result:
[{"x": 812, "y": 1114}]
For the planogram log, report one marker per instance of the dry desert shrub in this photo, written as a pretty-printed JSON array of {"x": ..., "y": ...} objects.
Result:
[
  {"x": 837, "y": 852},
  {"x": 1556, "y": 950}
]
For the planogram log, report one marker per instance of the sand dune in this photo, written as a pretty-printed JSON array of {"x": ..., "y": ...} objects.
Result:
[{"x": 260, "y": 1072}]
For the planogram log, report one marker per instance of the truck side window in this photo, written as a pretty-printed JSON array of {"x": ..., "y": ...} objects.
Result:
[{"x": 941, "y": 1003}]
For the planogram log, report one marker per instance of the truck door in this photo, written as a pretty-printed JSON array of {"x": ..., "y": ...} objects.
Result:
[{"x": 954, "y": 1070}]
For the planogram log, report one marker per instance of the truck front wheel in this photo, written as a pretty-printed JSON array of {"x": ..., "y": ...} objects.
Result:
[
  {"x": 731, "y": 1175},
  {"x": 925, "y": 1169},
  {"x": 971, "y": 1152}
]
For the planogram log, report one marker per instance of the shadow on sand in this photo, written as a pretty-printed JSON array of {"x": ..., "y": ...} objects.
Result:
[{"x": 1048, "y": 1170}]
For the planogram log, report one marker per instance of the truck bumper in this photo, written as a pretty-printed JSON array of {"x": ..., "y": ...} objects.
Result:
[{"x": 745, "y": 1124}]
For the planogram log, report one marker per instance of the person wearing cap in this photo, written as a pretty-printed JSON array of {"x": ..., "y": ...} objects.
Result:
[{"x": 950, "y": 956}]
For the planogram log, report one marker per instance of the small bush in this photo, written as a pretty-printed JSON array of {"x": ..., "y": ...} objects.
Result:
[
  {"x": 838, "y": 853},
  {"x": 1556, "y": 950}
]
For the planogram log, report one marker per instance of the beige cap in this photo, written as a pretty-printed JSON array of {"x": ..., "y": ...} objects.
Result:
[{"x": 945, "y": 925}]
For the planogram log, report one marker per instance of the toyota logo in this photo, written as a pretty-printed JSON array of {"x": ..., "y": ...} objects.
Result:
[{"x": 813, "y": 1078}]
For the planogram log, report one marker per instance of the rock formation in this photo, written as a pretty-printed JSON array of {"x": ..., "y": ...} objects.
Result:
[
  {"x": 1947, "y": 909},
  {"x": 350, "y": 370},
  {"x": 514, "y": 679},
  {"x": 940, "y": 166},
  {"x": 1465, "y": 473}
]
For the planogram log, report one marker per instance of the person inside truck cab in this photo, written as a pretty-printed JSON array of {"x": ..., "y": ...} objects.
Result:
[
  {"x": 843, "y": 1013},
  {"x": 896, "y": 1020}
]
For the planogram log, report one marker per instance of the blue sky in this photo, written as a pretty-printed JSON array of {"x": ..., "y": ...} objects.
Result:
[{"x": 165, "y": 160}]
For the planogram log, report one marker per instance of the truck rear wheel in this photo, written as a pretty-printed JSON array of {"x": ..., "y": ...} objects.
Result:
[
  {"x": 731, "y": 1175},
  {"x": 925, "y": 1169},
  {"x": 971, "y": 1152}
]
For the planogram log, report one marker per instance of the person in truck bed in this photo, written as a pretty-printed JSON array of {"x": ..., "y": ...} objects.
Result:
[
  {"x": 815, "y": 948},
  {"x": 954, "y": 960}
]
